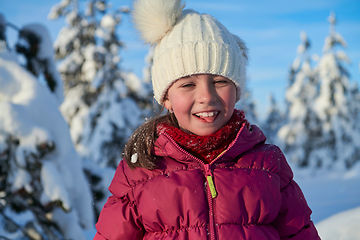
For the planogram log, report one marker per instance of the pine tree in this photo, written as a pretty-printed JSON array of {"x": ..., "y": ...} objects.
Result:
[
  {"x": 35, "y": 45},
  {"x": 274, "y": 120},
  {"x": 103, "y": 105},
  {"x": 3, "y": 42},
  {"x": 248, "y": 105},
  {"x": 300, "y": 135},
  {"x": 340, "y": 145},
  {"x": 38, "y": 164},
  {"x": 355, "y": 105}
]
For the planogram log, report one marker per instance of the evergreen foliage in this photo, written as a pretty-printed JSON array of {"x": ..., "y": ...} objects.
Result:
[
  {"x": 323, "y": 123},
  {"x": 300, "y": 134},
  {"x": 274, "y": 120},
  {"x": 333, "y": 105},
  {"x": 38, "y": 163},
  {"x": 248, "y": 105},
  {"x": 103, "y": 105}
]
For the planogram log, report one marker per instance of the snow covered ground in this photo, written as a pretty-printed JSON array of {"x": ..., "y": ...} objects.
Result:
[
  {"x": 334, "y": 198},
  {"x": 344, "y": 226}
]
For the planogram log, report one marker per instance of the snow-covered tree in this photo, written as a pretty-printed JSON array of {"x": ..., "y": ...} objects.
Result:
[
  {"x": 355, "y": 104},
  {"x": 301, "y": 134},
  {"x": 274, "y": 120},
  {"x": 35, "y": 45},
  {"x": 103, "y": 105},
  {"x": 2, "y": 32},
  {"x": 248, "y": 105},
  {"x": 43, "y": 190},
  {"x": 340, "y": 146}
]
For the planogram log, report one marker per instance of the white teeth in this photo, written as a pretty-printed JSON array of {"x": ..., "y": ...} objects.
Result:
[{"x": 206, "y": 114}]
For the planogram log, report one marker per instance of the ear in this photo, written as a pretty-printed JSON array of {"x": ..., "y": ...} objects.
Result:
[{"x": 167, "y": 104}]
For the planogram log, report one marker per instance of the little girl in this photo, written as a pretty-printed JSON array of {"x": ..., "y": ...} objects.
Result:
[{"x": 201, "y": 171}]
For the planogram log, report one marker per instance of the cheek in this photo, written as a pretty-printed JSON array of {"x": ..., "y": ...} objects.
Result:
[
  {"x": 180, "y": 105},
  {"x": 228, "y": 97},
  {"x": 178, "y": 102}
]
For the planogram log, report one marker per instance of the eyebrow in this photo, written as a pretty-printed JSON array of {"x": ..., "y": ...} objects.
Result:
[{"x": 185, "y": 77}]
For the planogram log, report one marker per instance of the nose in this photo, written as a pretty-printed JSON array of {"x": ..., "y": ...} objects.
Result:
[{"x": 206, "y": 93}]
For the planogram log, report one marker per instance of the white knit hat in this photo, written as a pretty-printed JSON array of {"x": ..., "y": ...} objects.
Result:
[{"x": 188, "y": 43}]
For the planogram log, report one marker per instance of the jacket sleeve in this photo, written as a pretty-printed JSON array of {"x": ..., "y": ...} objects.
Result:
[
  {"x": 119, "y": 218},
  {"x": 293, "y": 221}
]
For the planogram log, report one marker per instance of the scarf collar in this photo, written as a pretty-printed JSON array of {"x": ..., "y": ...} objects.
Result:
[{"x": 206, "y": 148}]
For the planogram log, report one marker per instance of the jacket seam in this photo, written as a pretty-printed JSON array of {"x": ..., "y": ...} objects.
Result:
[
  {"x": 161, "y": 174},
  {"x": 241, "y": 224},
  {"x": 252, "y": 168},
  {"x": 291, "y": 180},
  {"x": 178, "y": 229},
  {"x": 132, "y": 188}
]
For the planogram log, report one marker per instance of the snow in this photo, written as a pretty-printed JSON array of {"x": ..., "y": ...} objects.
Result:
[
  {"x": 23, "y": 97},
  {"x": 334, "y": 197},
  {"x": 43, "y": 62},
  {"x": 65, "y": 36},
  {"x": 108, "y": 21},
  {"x": 20, "y": 180},
  {"x": 45, "y": 48},
  {"x": 341, "y": 226},
  {"x": 19, "y": 219},
  {"x": 134, "y": 158},
  {"x": 54, "y": 12},
  {"x": 89, "y": 67},
  {"x": 135, "y": 84},
  {"x": 53, "y": 187}
]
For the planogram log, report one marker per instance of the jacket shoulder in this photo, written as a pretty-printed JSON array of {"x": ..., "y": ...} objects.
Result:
[
  {"x": 269, "y": 158},
  {"x": 120, "y": 185}
]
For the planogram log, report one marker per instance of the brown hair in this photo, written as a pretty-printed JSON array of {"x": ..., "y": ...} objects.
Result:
[{"x": 143, "y": 139}]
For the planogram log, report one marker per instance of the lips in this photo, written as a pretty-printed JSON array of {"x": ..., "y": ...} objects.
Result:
[{"x": 207, "y": 116}]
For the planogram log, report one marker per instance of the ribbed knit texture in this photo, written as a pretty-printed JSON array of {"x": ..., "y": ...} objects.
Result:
[
  {"x": 197, "y": 44},
  {"x": 207, "y": 148}
]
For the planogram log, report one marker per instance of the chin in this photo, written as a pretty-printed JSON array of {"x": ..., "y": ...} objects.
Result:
[{"x": 205, "y": 132}]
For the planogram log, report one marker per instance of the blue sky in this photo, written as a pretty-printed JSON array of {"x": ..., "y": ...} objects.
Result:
[{"x": 271, "y": 30}]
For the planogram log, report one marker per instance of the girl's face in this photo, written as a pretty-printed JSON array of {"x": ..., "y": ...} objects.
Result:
[{"x": 202, "y": 103}]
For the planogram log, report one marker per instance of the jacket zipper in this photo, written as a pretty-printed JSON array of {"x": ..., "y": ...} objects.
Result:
[{"x": 211, "y": 193}]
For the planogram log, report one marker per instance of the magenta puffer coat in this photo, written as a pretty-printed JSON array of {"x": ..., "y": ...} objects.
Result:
[{"x": 245, "y": 193}]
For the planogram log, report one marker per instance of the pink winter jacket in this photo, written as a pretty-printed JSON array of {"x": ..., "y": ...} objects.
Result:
[{"x": 256, "y": 196}]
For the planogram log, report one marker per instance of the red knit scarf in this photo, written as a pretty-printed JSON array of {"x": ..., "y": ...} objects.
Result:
[{"x": 206, "y": 148}]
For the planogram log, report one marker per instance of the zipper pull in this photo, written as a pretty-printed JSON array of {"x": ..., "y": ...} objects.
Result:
[{"x": 210, "y": 181}]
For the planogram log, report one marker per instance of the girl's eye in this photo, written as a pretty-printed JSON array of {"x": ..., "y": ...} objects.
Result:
[
  {"x": 187, "y": 85},
  {"x": 221, "y": 82}
]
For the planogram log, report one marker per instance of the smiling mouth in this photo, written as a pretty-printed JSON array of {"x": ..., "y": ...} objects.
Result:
[{"x": 207, "y": 116}]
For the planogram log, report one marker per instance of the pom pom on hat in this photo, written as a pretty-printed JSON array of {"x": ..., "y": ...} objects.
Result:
[
  {"x": 187, "y": 43},
  {"x": 155, "y": 18}
]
